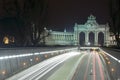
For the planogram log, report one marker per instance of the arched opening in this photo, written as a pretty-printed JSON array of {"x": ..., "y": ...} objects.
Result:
[
  {"x": 91, "y": 38},
  {"x": 100, "y": 38},
  {"x": 82, "y": 39}
]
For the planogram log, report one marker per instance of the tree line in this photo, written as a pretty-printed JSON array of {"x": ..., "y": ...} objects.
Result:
[
  {"x": 23, "y": 19},
  {"x": 115, "y": 19}
]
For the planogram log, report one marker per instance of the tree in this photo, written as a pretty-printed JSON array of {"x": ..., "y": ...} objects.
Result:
[
  {"x": 115, "y": 19},
  {"x": 30, "y": 18}
]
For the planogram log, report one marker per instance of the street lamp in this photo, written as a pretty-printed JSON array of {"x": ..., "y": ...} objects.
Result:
[
  {"x": 112, "y": 69},
  {"x": 109, "y": 62},
  {"x": 4, "y": 72},
  {"x": 88, "y": 43}
]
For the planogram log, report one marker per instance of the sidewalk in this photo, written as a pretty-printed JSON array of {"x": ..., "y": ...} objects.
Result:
[
  {"x": 67, "y": 70},
  {"x": 113, "y": 52}
]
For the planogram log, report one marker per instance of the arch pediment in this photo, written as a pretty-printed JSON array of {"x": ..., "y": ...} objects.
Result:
[
  {"x": 91, "y": 25},
  {"x": 91, "y": 22}
]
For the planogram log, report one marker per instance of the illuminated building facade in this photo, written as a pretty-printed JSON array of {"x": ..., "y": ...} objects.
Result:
[{"x": 89, "y": 34}]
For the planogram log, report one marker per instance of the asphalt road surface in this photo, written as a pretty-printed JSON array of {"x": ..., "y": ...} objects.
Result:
[
  {"x": 92, "y": 66},
  {"x": 44, "y": 69}
]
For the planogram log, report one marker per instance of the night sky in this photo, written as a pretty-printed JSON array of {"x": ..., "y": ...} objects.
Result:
[{"x": 64, "y": 13}]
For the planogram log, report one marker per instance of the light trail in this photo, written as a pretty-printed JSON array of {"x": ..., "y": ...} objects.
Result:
[
  {"x": 94, "y": 67},
  {"x": 94, "y": 62},
  {"x": 78, "y": 64},
  {"x": 85, "y": 76},
  {"x": 38, "y": 71},
  {"x": 100, "y": 66},
  {"x": 110, "y": 55}
]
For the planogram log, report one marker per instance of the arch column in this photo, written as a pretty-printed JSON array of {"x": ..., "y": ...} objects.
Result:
[
  {"x": 106, "y": 38},
  {"x": 78, "y": 38},
  {"x": 86, "y": 37},
  {"x": 75, "y": 38},
  {"x": 96, "y": 38}
]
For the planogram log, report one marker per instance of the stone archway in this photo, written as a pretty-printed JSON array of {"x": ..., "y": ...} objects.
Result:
[
  {"x": 100, "y": 38},
  {"x": 91, "y": 38},
  {"x": 82, "y": 39}
]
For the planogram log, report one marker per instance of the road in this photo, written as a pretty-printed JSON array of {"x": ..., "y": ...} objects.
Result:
[
  {"x": 92, "y": 66},
  {"x": 44, "y": 69}
]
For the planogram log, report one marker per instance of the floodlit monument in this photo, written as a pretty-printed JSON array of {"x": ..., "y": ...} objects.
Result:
[{"x": 89, "y": 34}]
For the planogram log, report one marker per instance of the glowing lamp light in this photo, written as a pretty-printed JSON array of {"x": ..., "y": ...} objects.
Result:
[
  {"x": 24, "y": 64},
  {"x": 107, "y": 58},
  {"x": 93, "y": 48},
  {"x": 13, "y": 40},
  {"x": 3, "y": 72},
  {"x": 6, "y": 40},
  {"x": 112, "y": 69},
  {"x": 46, "y": 56},
  {"x": 37, "y": 59},
  {"x": 88, "y": 43},
  {"x": 108, "y": 62},
  {"x": 31, "y": 59},
  {"x": 119, "y": 61}
]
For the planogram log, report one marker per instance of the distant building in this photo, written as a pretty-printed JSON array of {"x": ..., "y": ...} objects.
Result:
[
  {"x": 113, "y": 39},
  {"x": 89, "y": 34}
]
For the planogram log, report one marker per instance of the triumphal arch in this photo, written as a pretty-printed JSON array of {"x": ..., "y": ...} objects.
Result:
[
  {"x": 91, "y": 33},
  {"x": 88, "y": 34}
]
